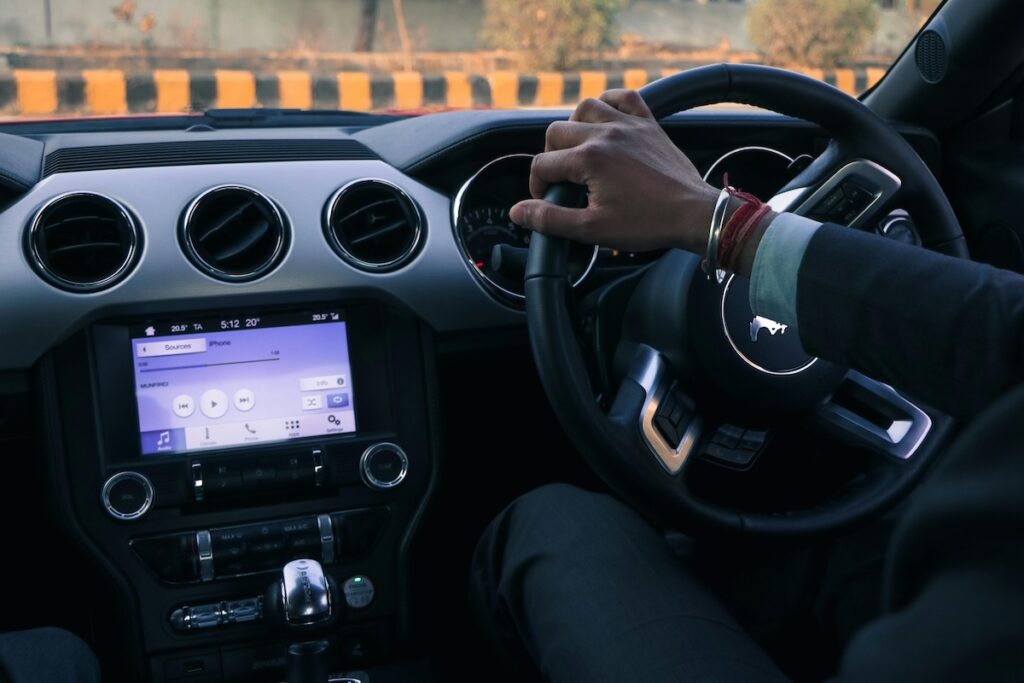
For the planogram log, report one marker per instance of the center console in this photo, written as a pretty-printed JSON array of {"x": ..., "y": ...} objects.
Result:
[{"x": 196, "y": 454}]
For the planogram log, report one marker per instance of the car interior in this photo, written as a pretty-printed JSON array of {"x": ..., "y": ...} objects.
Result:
[{"x": 236, "y": 342}]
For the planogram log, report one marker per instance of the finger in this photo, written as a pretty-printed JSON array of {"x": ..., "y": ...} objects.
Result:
[
  {"x": 556, "y": 167},
  {"x": 550, "y": 219},
  {"x": 627, "y": 101},
  {"x": 566, "y": 134},
  {"x": 592, "y": 110}
]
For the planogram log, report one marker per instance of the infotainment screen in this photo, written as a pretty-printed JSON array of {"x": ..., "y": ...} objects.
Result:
[{"x": 241, "y": 380}]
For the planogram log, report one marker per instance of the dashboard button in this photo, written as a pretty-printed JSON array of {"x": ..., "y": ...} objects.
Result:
[
  {"x": 213, "y": 403},
  {"x": 184, "y": 405},
  {"x": 383, "y": 466},
  {"x": 359, "y": 591},
  {"x": 244, "y": 400},
  {"x": 127, "y": 496}
]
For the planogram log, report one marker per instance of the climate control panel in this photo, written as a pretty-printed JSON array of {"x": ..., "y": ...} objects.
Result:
[{"x": 209, "y": 554}]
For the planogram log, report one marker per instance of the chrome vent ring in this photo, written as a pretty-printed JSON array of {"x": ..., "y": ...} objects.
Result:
[
  {"x": 83, "y": 242},
  {"x": 373, "y": 225},
  {"x": 234, "y": 233}
]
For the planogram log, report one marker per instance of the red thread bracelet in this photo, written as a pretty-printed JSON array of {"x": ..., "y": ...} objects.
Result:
[{"x": 739, "y": 226}]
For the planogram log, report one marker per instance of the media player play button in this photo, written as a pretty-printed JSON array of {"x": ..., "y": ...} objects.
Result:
[{"x": 213, "y": 403}]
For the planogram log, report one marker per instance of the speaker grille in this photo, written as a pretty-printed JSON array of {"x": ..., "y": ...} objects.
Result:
[{"x": 932, "y": 56}]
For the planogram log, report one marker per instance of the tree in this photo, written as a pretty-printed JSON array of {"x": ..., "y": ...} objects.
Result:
[
  {"x": 814, "y": 33},
  {"x": 367, "y": 26},
  {"x": 550, "y": 34}
]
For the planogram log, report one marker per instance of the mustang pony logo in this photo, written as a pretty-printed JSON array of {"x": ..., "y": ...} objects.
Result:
[{"x": 759, "y": 323}]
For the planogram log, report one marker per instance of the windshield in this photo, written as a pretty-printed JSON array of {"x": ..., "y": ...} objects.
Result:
[{"x": 146, "y": 57}]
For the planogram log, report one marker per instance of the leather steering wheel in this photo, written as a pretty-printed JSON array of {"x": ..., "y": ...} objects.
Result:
[{"x": 688, "y": 344}]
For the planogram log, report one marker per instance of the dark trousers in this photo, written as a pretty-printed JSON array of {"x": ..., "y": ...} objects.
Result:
[
  {"x": 579, "y": 584},
  {"x": 46, "y": 655}
]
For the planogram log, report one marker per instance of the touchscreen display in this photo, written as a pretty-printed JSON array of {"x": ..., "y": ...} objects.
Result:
[{"x": 237, "y": 381}]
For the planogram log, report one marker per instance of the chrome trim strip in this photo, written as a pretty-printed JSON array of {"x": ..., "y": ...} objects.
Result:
[
  {"x": 464, "y": 251},
  {"x": 651, "y": 372},
  {"x": 367, "y": 476},
  {"x": 204, "y": 548},
  {"x": 900, "y": 440},
  {"x": 202, "y": 266},
  {"x": 326, "y": 529},
  {"x": 147, "y": 503},
  {"x": 332, "y": 239},
  {"x": 888, "y": 184},
  {"x": 40, "y": 266}
]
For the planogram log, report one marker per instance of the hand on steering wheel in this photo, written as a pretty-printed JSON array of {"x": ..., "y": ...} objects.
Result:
[{"x": 643, "y": 193}]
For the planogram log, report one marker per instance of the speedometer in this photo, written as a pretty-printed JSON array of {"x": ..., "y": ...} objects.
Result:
[
  {"x": 493, "y": 246},
  {"x": 486, "y": 229}
]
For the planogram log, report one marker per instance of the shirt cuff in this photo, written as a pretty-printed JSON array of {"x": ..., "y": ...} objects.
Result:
[{"x": 777, "y": 267}]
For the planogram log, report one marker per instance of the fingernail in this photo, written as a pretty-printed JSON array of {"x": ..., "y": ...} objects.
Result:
[{"x": 518, "y": 215}]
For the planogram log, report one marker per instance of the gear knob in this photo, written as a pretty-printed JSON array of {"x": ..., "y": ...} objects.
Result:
[
  {"x": 303, "y": 598},
  {"x": 305, "y": 595}
]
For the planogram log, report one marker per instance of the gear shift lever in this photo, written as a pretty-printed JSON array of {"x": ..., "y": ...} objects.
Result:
[{"x": 302, "y": 603}]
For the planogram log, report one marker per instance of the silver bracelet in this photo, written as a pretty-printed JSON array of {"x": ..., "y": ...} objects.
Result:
[{"x": 714, "y": 235}]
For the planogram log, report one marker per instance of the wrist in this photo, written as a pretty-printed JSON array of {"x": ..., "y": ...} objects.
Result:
[
  {"x": 748, "y": 249},
  {"x": 695, "y": 219}
]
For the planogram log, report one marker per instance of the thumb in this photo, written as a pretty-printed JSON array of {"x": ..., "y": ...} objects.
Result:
[{"x": 548, "y": 219}]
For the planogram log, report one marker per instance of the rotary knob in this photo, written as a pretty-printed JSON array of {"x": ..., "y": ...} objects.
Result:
[
  {"x": 383, "y": 466},
  {"x": 127, "y": 496}
]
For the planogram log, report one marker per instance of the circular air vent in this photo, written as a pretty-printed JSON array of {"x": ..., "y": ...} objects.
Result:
[
  {"x": 234, "y": 233},
  {"x": 931, "y": 56},
  {"x": 83, "y": 242},
  {"x": 373, "y": 225}
]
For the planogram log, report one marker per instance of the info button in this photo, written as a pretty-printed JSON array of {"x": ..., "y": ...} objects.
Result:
[{"x": 322, "y": 382}]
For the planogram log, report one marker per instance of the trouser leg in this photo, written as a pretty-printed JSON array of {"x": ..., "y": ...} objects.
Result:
[{"x": 587, "y": 590}]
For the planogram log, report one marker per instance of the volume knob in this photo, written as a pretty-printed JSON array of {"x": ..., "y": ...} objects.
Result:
[
  {"x": 383, "y": 466},
  {"x": 127, "y": 496}
]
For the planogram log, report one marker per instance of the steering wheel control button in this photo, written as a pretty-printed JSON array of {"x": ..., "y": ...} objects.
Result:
[
  {"x": 213, "y": 403},
  {"x": 244, "y": 400},
  {"x": 184, "y": 405},
  {"x": 383, "y": 466},
  {"x": 358, "y": 591},
  {"x": 766, "y": 345},
  {"x": 127, "y": 496},
  {"x": 734, "y": 447},
  {"x": 673, "y": 416}
]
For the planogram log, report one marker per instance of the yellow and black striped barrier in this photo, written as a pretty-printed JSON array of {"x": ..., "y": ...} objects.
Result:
[{"x": 37, "y": 92}]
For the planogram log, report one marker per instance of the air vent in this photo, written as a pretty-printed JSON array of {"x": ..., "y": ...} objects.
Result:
[
  {"x": 373, "y": 225},
  {"x": 931, "y": 56},
  {"x": 234, "y": 233},
  {"x": 83, "y": 242}
]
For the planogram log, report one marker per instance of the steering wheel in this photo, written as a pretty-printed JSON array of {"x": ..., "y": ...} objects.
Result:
[{"x": 688, "y": 343}]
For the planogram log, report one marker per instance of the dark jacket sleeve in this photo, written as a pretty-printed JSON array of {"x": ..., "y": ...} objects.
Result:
[
  {"x": 955, "y": 570},
  {"x": 948, "y": 331}
]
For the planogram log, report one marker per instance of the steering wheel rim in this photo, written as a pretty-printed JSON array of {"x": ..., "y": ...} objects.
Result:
[{"x": 610, "y": 442}]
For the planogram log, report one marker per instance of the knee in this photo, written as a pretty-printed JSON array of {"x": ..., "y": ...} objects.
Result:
[
  {"x": 60, "y": 654},
  {"x": 558, "y": 509},
  {"x": 543, "y": 519}
]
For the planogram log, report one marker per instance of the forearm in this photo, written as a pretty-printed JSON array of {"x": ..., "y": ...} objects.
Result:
[{"x": 949, "y": 331}]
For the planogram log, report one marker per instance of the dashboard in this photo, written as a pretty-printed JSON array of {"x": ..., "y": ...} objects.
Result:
[{"x": 232, "y": 335}]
